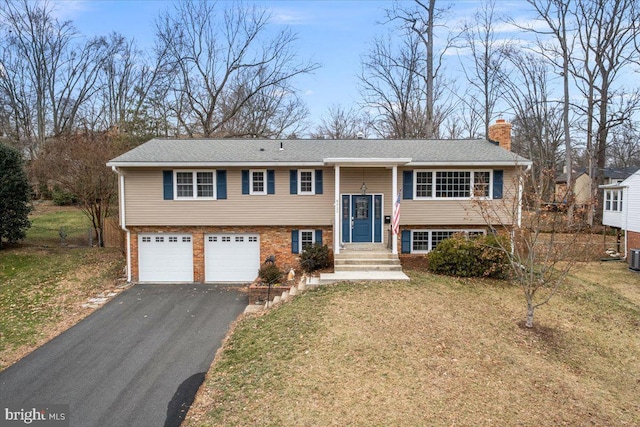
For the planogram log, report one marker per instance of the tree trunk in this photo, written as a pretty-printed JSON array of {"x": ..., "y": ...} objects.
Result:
[{"x": 529, "y": 321}]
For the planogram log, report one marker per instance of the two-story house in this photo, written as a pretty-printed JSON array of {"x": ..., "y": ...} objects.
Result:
[{"x": 211, "y": 210}]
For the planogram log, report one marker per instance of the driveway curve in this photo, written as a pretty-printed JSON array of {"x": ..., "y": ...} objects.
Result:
[{"x": 137, "y": 361}]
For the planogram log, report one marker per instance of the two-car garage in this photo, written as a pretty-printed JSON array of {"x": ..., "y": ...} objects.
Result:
[{"x": 169, "y": 257}]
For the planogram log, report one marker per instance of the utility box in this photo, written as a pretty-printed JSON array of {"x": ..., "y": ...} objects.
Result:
[{"x": 634, "y": 259}]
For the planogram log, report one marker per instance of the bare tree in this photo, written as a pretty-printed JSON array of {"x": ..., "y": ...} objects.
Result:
[
  {"x": 607, "y": 33},
  {"x": 392, "y": 86},
  {"x": 223, "y": 59},
  {"x": 48, "y": 70},
  {"x": 342, "y": 123},
  {"x": 75, "y": 162},
  {"x": 487, "y": 55},
  {"x": 538, "y": 133},
  {"x": 539, "y": 254},
  {"x": 624, "y": 149},
  {"x": 422, "y": 20},
  {"x": 555, "y": 14}
]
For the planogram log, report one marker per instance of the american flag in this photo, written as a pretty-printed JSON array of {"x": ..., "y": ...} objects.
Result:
[{"x": 396, "y": 216}]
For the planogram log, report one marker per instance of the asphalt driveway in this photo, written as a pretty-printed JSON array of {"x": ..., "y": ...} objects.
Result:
[{"x": 137, "y": 361}]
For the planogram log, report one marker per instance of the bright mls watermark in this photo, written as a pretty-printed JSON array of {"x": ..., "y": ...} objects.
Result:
[{"x": 35, "y": 415}]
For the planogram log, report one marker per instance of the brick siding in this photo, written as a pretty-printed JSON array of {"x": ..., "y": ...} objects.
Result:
[
  {"x": 633, "y": 242},
  {"x": 273, "y": 241}
]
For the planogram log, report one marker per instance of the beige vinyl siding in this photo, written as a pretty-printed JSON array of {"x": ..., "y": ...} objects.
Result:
[
  {"x": 457, "y": 212},
  {"x": 145, "y": 204}
]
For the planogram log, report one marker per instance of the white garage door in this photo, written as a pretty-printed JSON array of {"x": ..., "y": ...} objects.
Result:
[
  {"x": 231, "y": 257},
  {"x": 165, "y": 257}
]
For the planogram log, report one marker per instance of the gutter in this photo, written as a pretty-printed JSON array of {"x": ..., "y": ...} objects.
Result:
[{"x": 123, "y": 224}]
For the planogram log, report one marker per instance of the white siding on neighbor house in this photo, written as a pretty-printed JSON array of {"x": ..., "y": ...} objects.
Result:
[{"x": 632, "y": 196}]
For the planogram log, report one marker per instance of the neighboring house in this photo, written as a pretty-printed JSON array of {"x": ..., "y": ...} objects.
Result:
[
  {"x": 622, "y": 210},
  {"x": 211, "y": 210},
  {"x": 582, "y": 183}
]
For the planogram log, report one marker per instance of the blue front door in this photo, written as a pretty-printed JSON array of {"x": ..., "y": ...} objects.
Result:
[{"x": 362, "y": 219}]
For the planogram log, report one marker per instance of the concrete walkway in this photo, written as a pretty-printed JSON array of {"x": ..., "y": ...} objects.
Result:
[{"x": 362, "y": 275}]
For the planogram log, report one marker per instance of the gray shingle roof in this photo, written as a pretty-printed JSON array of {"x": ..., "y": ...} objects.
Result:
[{"x": 204, "y": 152}]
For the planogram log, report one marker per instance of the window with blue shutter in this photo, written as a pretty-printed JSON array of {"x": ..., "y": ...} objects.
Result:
[
  {"x": 293, "y": 181},
  {"x": 319, "y": 236},
  {"x": 295, "y": 242},
  {"x": 245, "y": 182},
  {"x": 271, "y": 182},
  {"x": 318, "y": 181},
  {"x": 167, "y": 184},
  {"x": 221, "y": 184},
  {"x": 498, "y": 178},
  {"x": 407, "y": 184}
]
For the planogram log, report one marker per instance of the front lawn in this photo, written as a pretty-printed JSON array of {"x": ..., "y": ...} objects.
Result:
[
  {"x": 43, "y": 285},
  {"x": 435, "y": 351}
]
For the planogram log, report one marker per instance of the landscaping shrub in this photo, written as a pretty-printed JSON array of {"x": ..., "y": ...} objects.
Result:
[
  {"x": 470, "y": 257},
  {"x": 270, "y": 274},
  {"x": 62, "y": 198},
  {"x": 315, "y": 257}
]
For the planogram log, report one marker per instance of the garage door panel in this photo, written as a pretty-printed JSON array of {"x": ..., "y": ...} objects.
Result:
[
  {"x": 165, "y": 257},
  {"x": 232, "y": 257}
]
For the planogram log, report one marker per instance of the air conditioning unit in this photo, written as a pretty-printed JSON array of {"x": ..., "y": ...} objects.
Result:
[{"x": 634, "y": 259}]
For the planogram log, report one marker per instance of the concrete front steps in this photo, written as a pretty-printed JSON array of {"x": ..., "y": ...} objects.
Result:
[{"x": 367, "y": 261}]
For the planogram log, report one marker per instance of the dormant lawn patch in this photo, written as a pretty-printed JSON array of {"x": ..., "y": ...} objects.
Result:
[{"x": 435, "y": 351}]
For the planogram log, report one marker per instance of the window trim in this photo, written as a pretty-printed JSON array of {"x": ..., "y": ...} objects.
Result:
[
  {"x": 194, "y": 184},
  {"x": 313, "y": 238},
  {"x": 430, "y": 232},
  {"x": 613, "y": 200},
  {"x": 264, "y": 182},
  {"x": 434, "y": 172},
  {"x": 313, "y": 182}
]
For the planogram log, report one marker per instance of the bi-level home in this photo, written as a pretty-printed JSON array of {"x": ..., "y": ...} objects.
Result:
[
  {"x": 211, "y": 210},
  {"x": 621, "y": 210}
]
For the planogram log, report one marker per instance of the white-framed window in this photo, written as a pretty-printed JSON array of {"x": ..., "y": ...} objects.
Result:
[
  {"x": 452, "y": 184},
  {"x": 481, "y": 184},
  {"x": 424, "y": 184},
  {"x": 194, "y": 185},
  {"x": 613, "y": 200},
  {"x": 423, "y": 241},
  {"x": 307, "y": 239},
  {"x": 306, "y": 181},
  {"x": 258, "y": 181}
]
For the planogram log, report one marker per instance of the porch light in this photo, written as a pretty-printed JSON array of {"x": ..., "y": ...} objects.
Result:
[{"x": 363, "y": 189}]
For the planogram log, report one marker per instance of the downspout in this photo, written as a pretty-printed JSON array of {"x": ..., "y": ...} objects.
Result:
[{"x": 123, "y": 224}]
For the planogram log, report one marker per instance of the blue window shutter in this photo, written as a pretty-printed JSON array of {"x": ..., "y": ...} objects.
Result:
[
  {"x": 407, "y": 185},
  {"x": 221, "y": 184},
  {"x": 295, "y": 246},
  {"x": 245, "y": 182},
  {"x": 406, "y": 242},
  {"x": 167, "y": 184},
  {"x": 293, "y": 181},
  {"x": 318, "y": 181},
  {"x": 271, "y": 182},
  {"x": 498, "y": 178},
  {"x": 319, "y": 236}
]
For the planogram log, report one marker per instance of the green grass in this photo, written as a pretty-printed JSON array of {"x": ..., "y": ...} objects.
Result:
[
  {"x": 434, "y": 351},
  {"x": 45, "y": 228},
  {"x": 43, "y": 284}
]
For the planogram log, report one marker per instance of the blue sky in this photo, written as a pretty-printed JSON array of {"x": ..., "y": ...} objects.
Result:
[{"x": 332, "y": 33}]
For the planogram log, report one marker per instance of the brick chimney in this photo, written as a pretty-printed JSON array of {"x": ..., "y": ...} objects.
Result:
[{"x": 500, "y": 132}]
